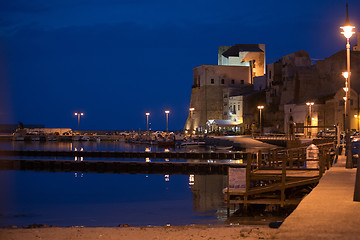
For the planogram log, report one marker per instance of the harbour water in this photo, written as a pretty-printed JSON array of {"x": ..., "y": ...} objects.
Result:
[{"x": 98, "y": 199}]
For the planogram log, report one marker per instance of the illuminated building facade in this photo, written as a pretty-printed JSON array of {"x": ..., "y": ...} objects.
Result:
[{"x": 217, "y": 89}]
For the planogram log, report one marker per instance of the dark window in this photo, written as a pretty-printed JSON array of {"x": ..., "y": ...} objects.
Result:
[
  {"x": 232, "y": 81},
  {"x": 269, "y": 74},
  {"x": 222, "y": 81},
  {"x": 242, "y": 81},
  {"x": 212, "y": 81}
]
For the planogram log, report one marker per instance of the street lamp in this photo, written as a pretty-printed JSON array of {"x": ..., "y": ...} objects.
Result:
[
  {"x": 78, "y": 116},
  {"x": 261, "y": 107},
  {"x": 167, "y": 120},
  {"x": 347, "y": 32},
  {"x": 147, "y": 121},
  {"x": 309, "y": 104}
]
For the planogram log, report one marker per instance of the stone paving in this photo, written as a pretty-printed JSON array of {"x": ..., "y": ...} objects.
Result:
[{"x": 329, "y": 211}]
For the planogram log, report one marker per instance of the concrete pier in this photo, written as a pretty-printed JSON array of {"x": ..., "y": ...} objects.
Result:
[{"x": 329, "y": 211}]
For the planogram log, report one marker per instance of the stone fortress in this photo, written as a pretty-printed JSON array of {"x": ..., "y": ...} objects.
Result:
[{"x": 225, "y": 97}]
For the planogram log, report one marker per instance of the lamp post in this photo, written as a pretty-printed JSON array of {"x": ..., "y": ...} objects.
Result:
[
  {"x": 347, "y": 32},
  {"x": 346, "y": 89},
  {"x": 147, "y": 121},
  {"x": 310, "y": 104},
  {"x": 261, "y": 107},
  {"x": 192, "y": 119},
  {"x": 167, "y": 120},
  {"x": 78, "y": 114}
]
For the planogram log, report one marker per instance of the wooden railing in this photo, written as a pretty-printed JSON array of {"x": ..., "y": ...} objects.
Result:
[{"x": 270, "y": 174}]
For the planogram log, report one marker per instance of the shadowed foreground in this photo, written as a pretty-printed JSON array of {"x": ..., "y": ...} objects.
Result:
[{"x": 129, "y": 233}]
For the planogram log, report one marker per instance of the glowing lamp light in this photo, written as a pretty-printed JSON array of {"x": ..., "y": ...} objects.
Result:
[
  {"x": 346, "y": 89},
  {"x": 347, "y": 30},
  {"x": 260, "y": 107},
  {"x": 310, "y": 103},
  {"x": 192, "y": 109},
  {"x": 147, "y": 114},
  {"x": 345, "y": 74},
  {"x": 355, "y": 116},
  {"x": 345, "y": 98}
]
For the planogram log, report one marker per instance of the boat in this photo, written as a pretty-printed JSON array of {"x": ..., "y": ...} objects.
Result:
[
  {"x": 192, "y": 144},
  {"x": 223, "y": 147}
]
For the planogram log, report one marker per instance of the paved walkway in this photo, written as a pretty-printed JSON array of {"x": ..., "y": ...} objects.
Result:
[
  {"x": 249, "y": 143},
  {"x": 329, "y": 211}
]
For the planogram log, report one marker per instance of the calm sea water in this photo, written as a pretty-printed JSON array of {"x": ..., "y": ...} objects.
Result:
[{"x": 90, "y": 199}]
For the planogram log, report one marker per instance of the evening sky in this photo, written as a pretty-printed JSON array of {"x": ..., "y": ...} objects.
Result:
[{"x": 115, "y": 60}]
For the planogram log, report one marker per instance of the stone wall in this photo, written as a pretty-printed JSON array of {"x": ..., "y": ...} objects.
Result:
[{"x": 207, "y": 95}]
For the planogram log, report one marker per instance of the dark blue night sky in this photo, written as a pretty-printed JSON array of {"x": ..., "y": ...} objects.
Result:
[{"x": 115, "y": 60}]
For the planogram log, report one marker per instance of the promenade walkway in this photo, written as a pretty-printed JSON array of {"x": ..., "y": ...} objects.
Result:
[
  {"x": 329, "y": 211},
  {"x": 248, "y": 143}
]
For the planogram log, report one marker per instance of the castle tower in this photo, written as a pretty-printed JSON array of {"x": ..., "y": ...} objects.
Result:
[{"x": 213, "y": 85}]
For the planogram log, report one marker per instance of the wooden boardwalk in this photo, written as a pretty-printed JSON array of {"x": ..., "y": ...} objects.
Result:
[{"x": 277, "y": 177}]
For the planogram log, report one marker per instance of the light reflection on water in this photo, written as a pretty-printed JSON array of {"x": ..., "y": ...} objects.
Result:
[
  {"x": 93, "y": 146},
  {"x": 88, "y": 199},
  {"x": 70, "y": 146}
]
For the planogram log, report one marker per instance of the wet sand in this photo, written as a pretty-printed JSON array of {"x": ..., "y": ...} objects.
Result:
[{"x": 144, "y": 233}]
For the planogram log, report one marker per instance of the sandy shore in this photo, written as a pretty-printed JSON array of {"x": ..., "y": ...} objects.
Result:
[{"x": 144, "y": 233}]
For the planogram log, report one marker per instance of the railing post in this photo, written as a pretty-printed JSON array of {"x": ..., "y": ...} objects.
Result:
[
  {"x": 248, "y": 174},
  {"x": 321, "y": 165},
  {"x": 283, "y": 181},
  {"x": 259, "y": 159},
  {"x": 291, "y": 158},
  {"x": 228, "y": 194}
]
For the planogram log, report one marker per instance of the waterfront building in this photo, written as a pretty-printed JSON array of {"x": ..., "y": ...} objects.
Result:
[
  {"x": 218, "y": 90},
  {"x": 250, "y": 55},
  {"x": 295, "y": 79},
  {"x": 232, "y": 90},
  {"x": 326, "y": 113}
]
